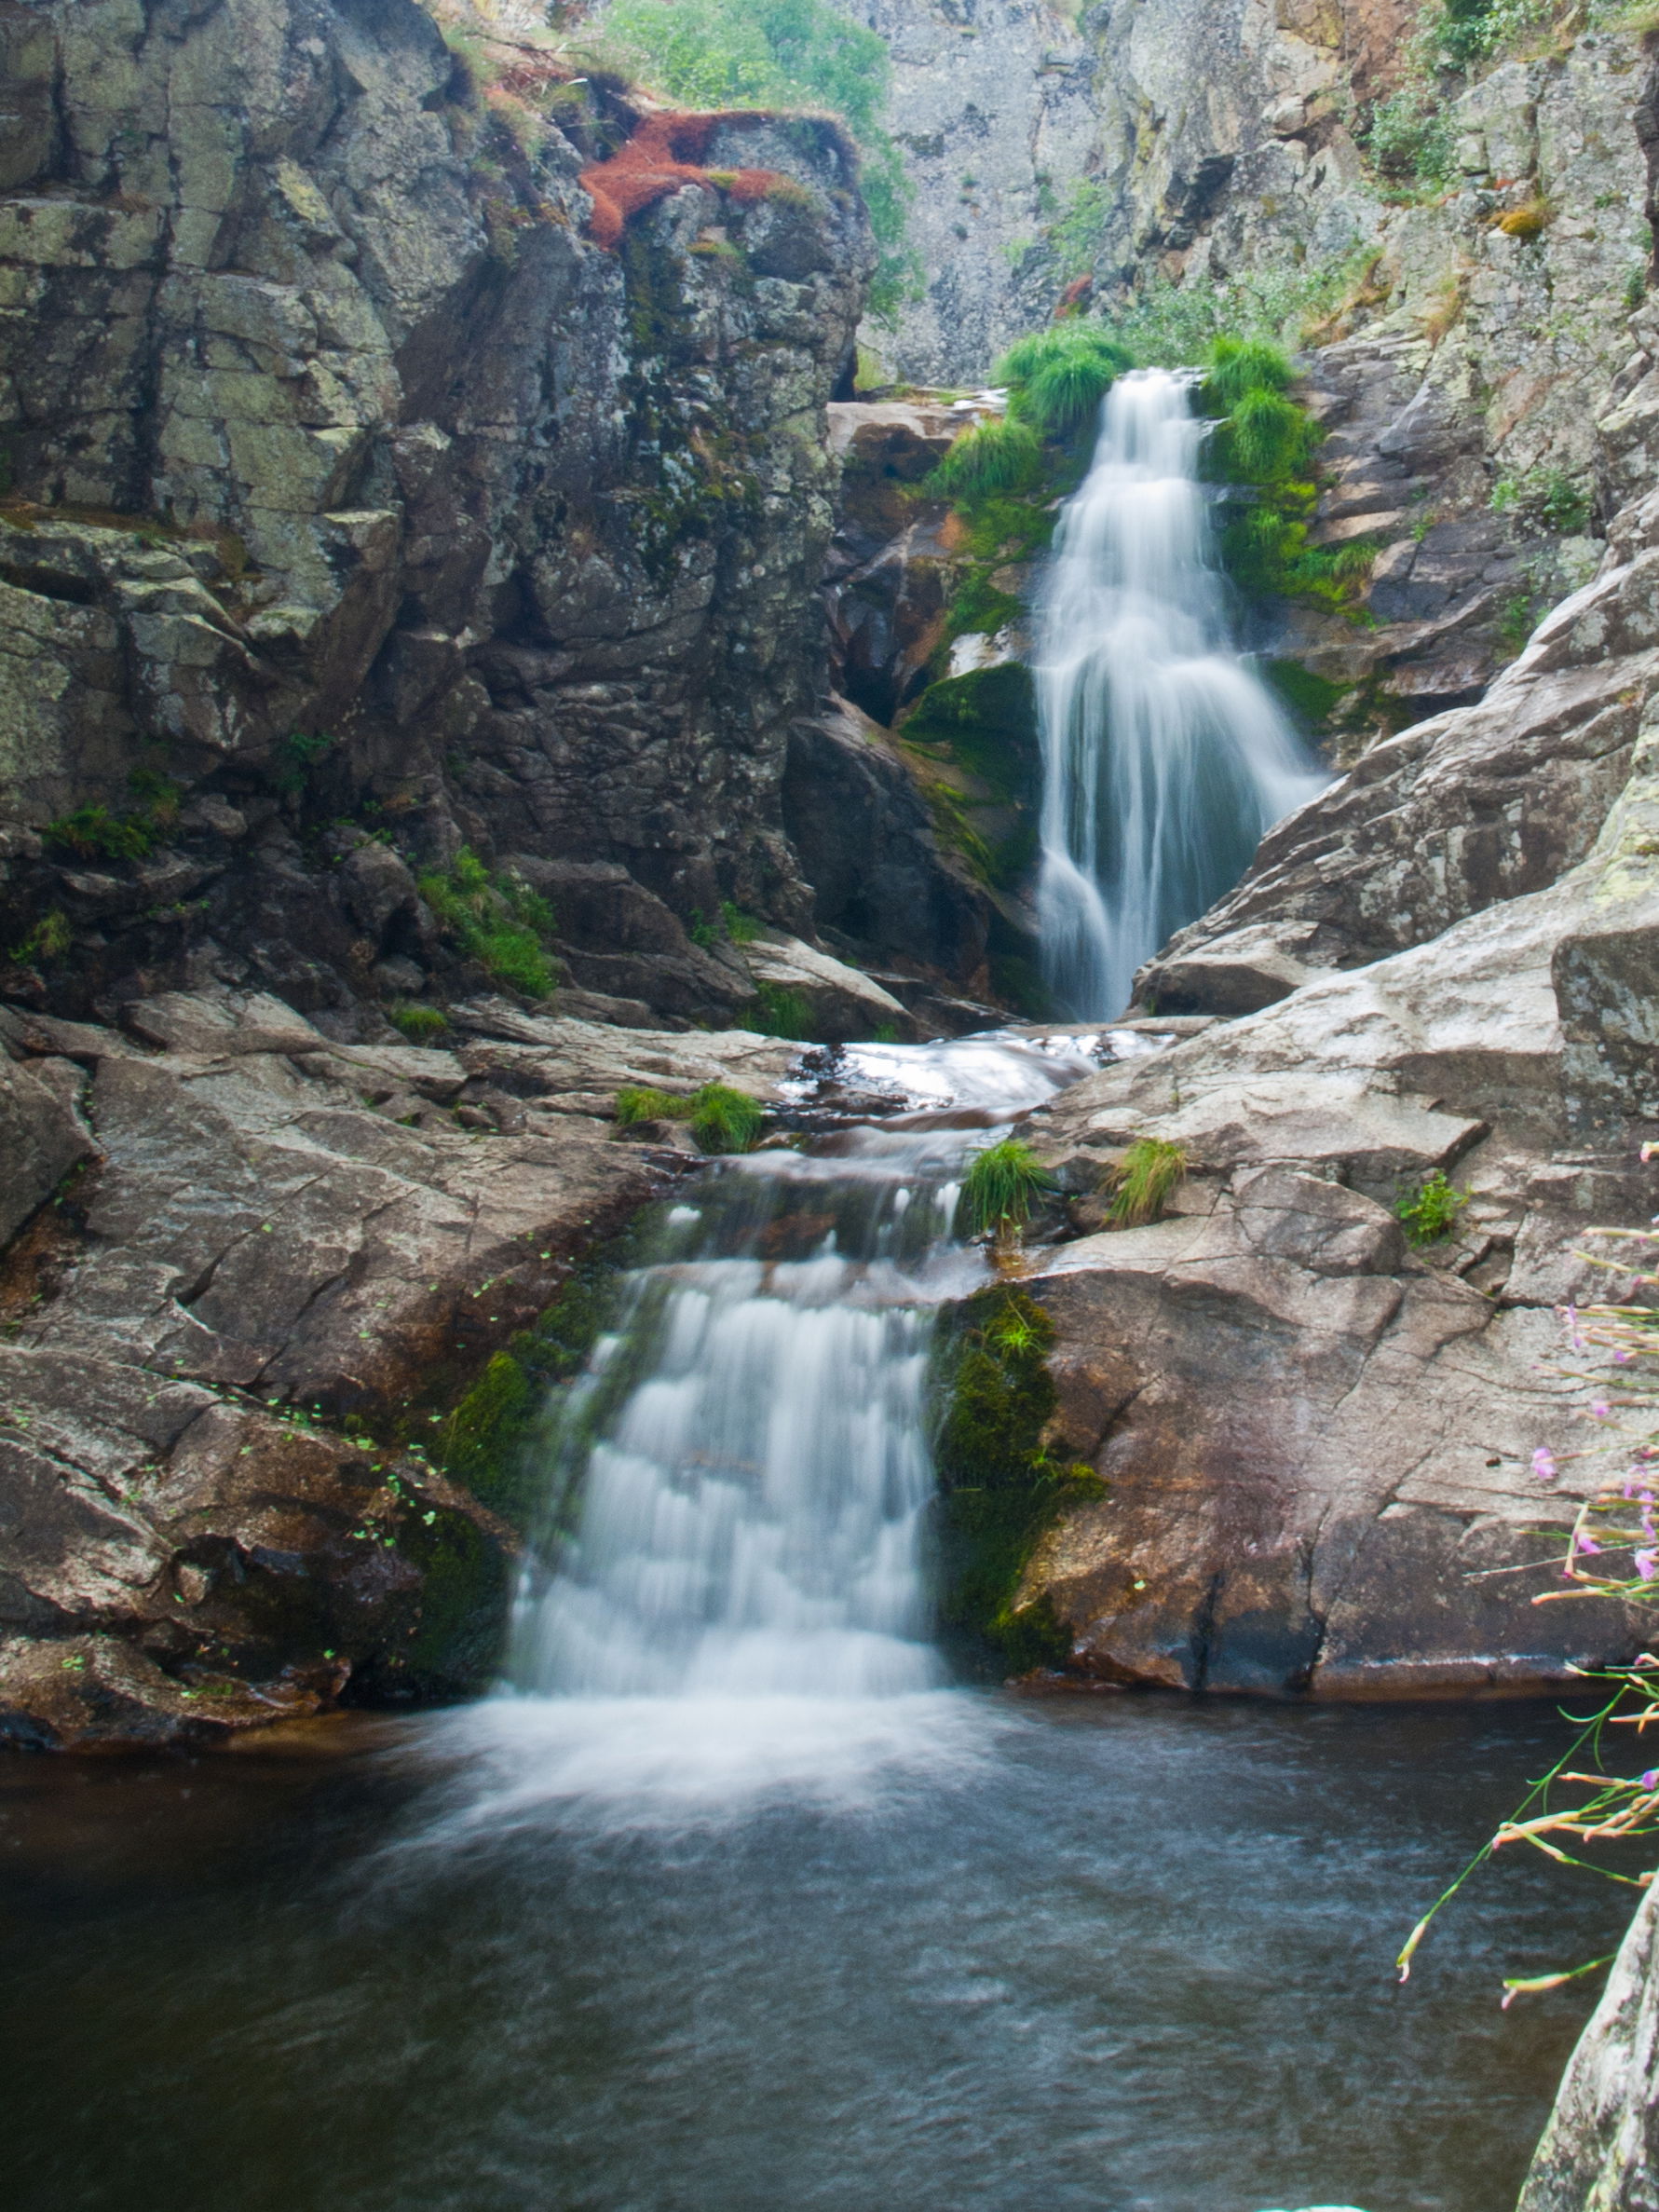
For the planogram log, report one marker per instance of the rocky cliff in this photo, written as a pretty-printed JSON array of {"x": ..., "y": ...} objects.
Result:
[
  {"x": 357, "y": 491},
  {"x": 416, "y": 487}
]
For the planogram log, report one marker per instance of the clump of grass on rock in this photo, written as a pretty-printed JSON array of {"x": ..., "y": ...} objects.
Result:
[
  {"x": 721, "y": 1119},
  {"x": 1001, "y": 1190},
  {"x": 1143, "y": 1181}
]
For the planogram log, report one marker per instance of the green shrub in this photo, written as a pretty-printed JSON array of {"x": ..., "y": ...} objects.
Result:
[
  {"x": 780, "y": 1012},
  {"x": 1409, "y": 137},
  {"x": 93, "y": 833},
  {"x": 1143, "y": 1180},
  {"x": 1001, "y": 1190},
  {"x": 421, "y": 1025},
  {"x": 997, "y": 458},
  {"x": 1430, "y": 1211},
  {"x": 1544, "y": 496},
  {"x": 637, "y": 1103},
  {"x": 1058, "y": 376},
  {"x": 298, "y": 755},
  {"x": 51, "y": 939},
  {"x": 740, "y": 928},
  {"x": 724, "y": 1120},
  {"x": 494, "y": 919},
  {"x": 1235, "y": 367}
]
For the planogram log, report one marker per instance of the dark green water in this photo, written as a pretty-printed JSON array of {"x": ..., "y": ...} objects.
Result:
[{"x": 1123, "y": 1953}]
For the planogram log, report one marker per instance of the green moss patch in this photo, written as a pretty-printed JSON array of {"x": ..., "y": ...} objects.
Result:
[{"x": 999, "y": 1487}]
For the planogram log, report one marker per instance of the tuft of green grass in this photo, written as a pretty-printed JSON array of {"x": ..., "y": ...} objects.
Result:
[
  {"x": 1058, "y": 376},
  {"x": 1237, "y": 367},
  {"x": 1143, "y": 1181},
  {"x": 1430, "y": 1211},
  {"x": 93, "y": 833},
  {"x": 495, "y": 920},
  {"x": 741, "y": 928},
  {"x": 1001, "y": 1189},
  {"x": 724, "y": 1120},
  {"x": 1000, "y": 458},
  {"x": 780, "y": 1012},
  {"x": 421, "y": 1025},
  {"x": 637, "y": 1103}
]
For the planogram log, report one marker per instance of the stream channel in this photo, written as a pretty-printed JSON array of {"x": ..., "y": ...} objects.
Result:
[{"x": 734, "y": 1897}]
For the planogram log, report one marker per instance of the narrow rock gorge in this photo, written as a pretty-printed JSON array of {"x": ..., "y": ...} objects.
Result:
[{"x": 528, "y": 769}]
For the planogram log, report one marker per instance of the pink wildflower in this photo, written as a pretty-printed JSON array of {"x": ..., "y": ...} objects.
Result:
[
  {"x": 1599, "y": 1409},
  {"x": 1543, "y": 1465},
  {"x": 1647, "y": 1565},
  {"x": 1650, "y": 1778},
  {"x": 1588, "y": 1544}
]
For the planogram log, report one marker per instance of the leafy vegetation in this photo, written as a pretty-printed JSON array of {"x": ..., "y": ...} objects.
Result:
[
  {"x": 1058, "y": 376},
  {"x": 1000, "y": 457},
  {"x": 421, "y": 1025},
  {"x": 1612, "y": 1550},
  {"x": 782, "y": 53},
  {"x": 1143, "y": 1181},
  {"x": 1430, "y": 1211},
  {"x": 1546, "y": 497},
  {"x": 999, "y": 1487},
  {"x": 780, "y": 1012},
  {"x": 722, "y": 1120},
  {"x": 1004, "y": 1185},
  {"x": 51, "y": 939},
  {"x": 495, "y": 920}
]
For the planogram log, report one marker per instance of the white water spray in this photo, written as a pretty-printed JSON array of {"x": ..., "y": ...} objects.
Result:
[
  {"x": 738, "y": 1603},
  {"x": 1164, "y": 760}
]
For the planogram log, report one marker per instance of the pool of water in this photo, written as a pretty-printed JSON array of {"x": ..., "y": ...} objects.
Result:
[{"x": 961, "y": 1949}]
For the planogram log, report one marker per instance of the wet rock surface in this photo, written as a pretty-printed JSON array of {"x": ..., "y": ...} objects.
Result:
[{"x": 274, "y": 1252}]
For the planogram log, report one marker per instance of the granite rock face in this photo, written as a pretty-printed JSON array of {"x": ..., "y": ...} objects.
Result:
[
  {"x": 348, "y": 477},
  {"x": 277, "y": 1252},
  {"x": 1317, "y": 1443},
  {"x": 1600, "y": 2150}
]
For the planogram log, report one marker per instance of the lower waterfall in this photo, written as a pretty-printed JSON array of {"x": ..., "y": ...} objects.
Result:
[
  {"x": 732, "y": 1591},
  {"x": 1165, "y": 759}
]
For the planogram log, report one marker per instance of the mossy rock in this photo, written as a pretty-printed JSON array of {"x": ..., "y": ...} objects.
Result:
[
  {"x": 986, "y": 722},
  {"x": 999, "y": 1487}
]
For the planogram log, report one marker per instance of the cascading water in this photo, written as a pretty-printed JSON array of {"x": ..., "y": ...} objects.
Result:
[
  {"x": 738, "y": 1599},
  {"x": 1164, "y": 760}
]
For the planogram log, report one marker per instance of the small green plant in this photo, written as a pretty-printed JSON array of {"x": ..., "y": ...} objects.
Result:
[
  {"x": 639, "y": 1102},
  {"x": 1431, "y": 1212},
  {"x": 495, "y": 920},
  {"x": 1143, "y": 1181},
  {"x": 93, "y": 833},
  {"x": 421, "y": 1025},
  {"x": 1546, "y": 497},
  {"x": 997, "y": 458},
  {"x": 1518, "y": 618},
  {"x": 1058, "y": 376},
  {"x": 780, "y": 1012},
  {"x": 740, "y": 928},
  {"x": 724, "y": 1120},
  {"x": 300, "y": 753},
  {"x": 51, "y": 939},
  {"x": 1411, "y": 138},
  {"x": 1001, "y": 1190}
]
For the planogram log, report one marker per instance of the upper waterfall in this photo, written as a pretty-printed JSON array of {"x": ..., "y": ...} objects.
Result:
[{"x": 1165, "y": 759}]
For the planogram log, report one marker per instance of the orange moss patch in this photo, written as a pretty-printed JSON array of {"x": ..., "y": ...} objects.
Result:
[{"x": 664, "y": 153}]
